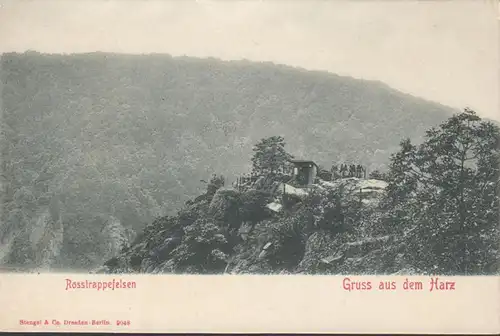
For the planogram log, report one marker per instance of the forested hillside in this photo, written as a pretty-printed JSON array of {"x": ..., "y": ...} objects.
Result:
[
  {"x": 435, "y": 212},
  {"x": 94, "y": 146}
]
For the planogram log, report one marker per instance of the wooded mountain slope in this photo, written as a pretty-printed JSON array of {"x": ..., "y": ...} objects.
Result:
[{"x": 97, "y": 138}]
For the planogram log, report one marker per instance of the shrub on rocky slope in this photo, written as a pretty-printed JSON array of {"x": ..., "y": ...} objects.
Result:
[{"x": 233, "y": 231}]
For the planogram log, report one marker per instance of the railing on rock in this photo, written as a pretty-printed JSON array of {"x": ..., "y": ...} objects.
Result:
[{"x": 263, "y": 182}]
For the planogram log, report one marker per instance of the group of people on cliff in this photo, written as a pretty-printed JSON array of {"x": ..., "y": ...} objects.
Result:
[
  {"x": 343, "y": 170},
  {"x": 348, "y": 170}
]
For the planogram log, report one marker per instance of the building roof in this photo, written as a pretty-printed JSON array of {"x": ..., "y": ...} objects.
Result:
[{"x": 303, "y": 162}]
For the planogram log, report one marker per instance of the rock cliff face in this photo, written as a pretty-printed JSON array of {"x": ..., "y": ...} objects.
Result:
[
  {"x": 251, "y": 231},
  {"x": 116, "y": 236}
]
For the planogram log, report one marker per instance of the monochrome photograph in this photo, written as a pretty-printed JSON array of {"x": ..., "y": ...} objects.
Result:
[{"x": 249, "y": 137}]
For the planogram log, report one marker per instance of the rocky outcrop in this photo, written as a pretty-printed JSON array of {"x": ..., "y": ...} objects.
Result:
[
  {"x": 224, "y": 207},
  {"x": 260, "y": 235},
  {"x": 49, "y": 243},
  {"x": 250, "y": 255},
  {"x": 372, "y": 255},
  {"x": 319, "y": 246},
  {"x": 116, "y": 236},
  {"x": 368, "y": 191},
  {"x": 325, "y": 254}
]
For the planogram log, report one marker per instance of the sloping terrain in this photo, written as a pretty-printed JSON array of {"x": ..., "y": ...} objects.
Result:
[
  {"x": 97, "y": 138},
  {"x": 299, "y": 237}
]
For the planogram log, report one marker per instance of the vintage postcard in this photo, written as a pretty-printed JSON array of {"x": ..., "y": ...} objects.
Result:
[{"x": 250, "y": 166}]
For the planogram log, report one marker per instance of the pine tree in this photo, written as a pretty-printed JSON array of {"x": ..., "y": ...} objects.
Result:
[
  {"x": 270, "y": 156},
  {"x": 443, "y": 195}
]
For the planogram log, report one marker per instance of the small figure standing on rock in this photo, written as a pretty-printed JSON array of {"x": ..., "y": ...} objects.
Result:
[
  {"x": 334, "y": 171},
  {"x": 352, "y": 170},
  {"x": 343, "y": 170},
  {"x": 359, "y": 171}
]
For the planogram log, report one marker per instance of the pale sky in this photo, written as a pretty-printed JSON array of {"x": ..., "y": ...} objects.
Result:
[{"x": 446, "y": 51}]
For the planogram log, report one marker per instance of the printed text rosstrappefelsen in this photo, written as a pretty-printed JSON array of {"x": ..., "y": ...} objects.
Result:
[{"x": 100, "y": 285}]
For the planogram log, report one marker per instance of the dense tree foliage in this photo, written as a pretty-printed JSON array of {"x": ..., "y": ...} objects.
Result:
[
  {"x": 108, "y": 143},
  {"x": 202, "y": 249},
  {"x": 270, "y": 156},
  {"x": 443, "y": 196},
  {"x": 438, "y": 214}
]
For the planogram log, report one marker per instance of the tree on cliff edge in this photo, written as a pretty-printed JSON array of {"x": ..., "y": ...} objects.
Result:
[
  {"x": 270, "y": 156},
  {"x": 443, "y": 194}
]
